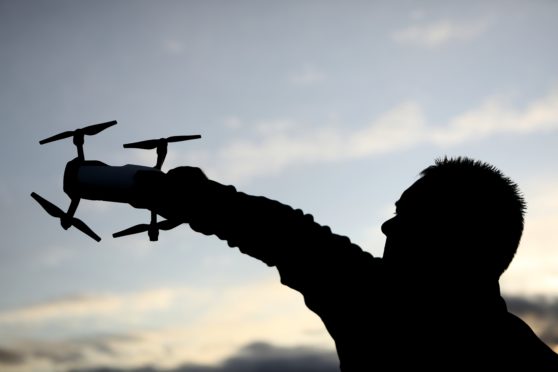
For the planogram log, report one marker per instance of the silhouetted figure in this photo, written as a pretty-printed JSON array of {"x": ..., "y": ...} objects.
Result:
[{"x": 431, "y": 303}]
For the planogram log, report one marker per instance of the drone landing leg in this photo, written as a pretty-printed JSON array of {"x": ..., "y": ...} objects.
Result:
[{"x": 153, "y": 230}]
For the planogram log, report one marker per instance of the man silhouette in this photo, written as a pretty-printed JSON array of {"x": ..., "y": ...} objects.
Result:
[{"x": 431, "y": 303}]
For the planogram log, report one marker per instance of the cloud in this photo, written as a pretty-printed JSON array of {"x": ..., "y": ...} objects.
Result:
[
  {"x": 178, "y": 348},
  {"x": 495, "y": 116},
  {"x": 288, "y": 143},
  {"x": 52, "y": 355},
  {"x": 236, "y": 316},
  {"x": 435, "y": 34},
  {"x": 84, "y": 306},
  {"x": 263, "y": 357},
  {"x": 258, "y": 356},
  {"x": 10, "y": 357},
  {"x": 540, "y": 313},
  {"x": 198, "y": 326}
]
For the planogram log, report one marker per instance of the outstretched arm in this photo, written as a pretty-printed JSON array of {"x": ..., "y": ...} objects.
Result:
[{"x": 311, "y": 259}]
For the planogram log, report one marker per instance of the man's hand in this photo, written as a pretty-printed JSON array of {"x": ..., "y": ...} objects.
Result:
[{"x": 175, "y": 195}]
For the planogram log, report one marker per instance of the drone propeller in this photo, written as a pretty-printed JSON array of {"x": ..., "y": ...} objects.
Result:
[
  {"x": 89, "y": 130},
  {"x": 66, "y": 219},
  {"x": 78, "y": 135},
  {"x": 161, "y": 146},
  {"x": 51, "y": 209},
  {"x": 154, "y": 143},
  {"x": 163, "y": 225}
]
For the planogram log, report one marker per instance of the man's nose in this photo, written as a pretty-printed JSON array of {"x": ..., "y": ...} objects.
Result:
[{"x": 387, "y": 227}]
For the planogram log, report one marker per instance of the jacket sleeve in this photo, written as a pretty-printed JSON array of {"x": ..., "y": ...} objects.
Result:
[{"x": 326, "y": 268}]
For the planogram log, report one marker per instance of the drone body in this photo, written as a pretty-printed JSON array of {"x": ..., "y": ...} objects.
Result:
[{"x": 95, "y": 180}]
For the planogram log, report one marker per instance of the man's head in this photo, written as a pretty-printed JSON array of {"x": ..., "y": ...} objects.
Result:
[{"x": 461, "y": 216}]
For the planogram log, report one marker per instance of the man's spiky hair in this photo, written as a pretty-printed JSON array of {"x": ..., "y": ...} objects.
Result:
[{"x": 489, "y": 198}]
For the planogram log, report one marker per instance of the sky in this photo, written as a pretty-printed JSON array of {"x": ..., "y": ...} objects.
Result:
[{"x": 333, "y": 107}]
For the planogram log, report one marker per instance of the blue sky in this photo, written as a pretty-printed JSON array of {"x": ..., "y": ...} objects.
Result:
[{"x": 331, "y": 107}]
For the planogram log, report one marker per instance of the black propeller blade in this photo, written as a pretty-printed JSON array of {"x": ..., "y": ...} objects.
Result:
[
  {"x": 132, "y": 230},
  {"x": 89, "y": 130},
  {"x": 97, "y": 128},
  {"x": 66, "y": 220},
  {"x": 168, "y": 225},
  {"x": 146, "y": 145},
  {"x": 57, "y": 137},
  {"x": 154, "y": 143},
  {"x": 161, "y": 146},
  {"x": 51, "y": 209},
  {"x": 183, "y": 138},
  {"x": 163, "y": 225},
  {"x": 81, "y": 226}
]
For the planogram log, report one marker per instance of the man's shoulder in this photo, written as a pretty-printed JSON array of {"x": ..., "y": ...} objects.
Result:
[{"x": 525, "y": 344}]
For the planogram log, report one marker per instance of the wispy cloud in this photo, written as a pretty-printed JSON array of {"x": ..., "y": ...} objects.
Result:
[
  {"x": 541, "y": 313},
  {"x": 171, "y": 350},
  {"x": 287, "y": 143},
  {"x": 200, "y": 326},
  {"x": 290, "y": 143},
  {"x": 495, "y": 116},
  {"x": 11, "y": 357},
  {"x": 84, "y": 306},
  {"x": 60, "y": 355},
  {"x": 438, "y": 33},
  {"x": 253, "y": 356}
]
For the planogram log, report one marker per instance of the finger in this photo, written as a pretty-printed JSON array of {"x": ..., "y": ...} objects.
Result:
[{"x": 187, "y": 173}]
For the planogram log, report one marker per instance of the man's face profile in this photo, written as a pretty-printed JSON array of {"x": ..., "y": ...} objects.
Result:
[
  {"x": 418, "y": 233},
  {"x": 403, "y": 228}
]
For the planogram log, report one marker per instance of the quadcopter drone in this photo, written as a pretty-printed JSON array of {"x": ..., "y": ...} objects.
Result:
[{"x": 95, "y": 180}]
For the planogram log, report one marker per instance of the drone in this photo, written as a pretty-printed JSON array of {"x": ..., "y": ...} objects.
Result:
[{"x": 95, "y": 180}]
